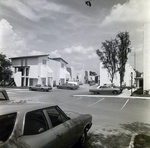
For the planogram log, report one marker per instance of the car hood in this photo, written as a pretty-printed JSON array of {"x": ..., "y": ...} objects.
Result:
[{"x": 72, "y": 114}]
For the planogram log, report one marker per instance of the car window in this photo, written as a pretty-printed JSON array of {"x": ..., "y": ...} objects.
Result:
[
  {"x": 56, "y": 116},
  {"x": 7, "y": 123},
  {"x": 2, "y": 96},
  {"x": 35, "y": 123}
]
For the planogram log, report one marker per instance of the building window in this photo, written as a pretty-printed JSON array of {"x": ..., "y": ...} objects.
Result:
[{"x": 44, "y": 62}]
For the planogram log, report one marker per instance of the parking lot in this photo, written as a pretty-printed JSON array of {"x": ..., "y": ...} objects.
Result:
[{"x": 115, "y": 119}]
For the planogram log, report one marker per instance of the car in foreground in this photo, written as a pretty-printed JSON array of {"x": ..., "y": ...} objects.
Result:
[
  {"x": 105, "y": 88},
  {"x": 3, "y": 95},
  {"x": 40, "y": 125},
  {"x": 67, "y": 86},
  {"x": 40, "y": 87}
]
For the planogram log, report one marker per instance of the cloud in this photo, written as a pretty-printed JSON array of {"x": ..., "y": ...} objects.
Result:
[
  {"x": 55, "y": 53},
  {"x": 22, "y": 9},
  {"x": 132, "y": 11},
  {"x": 10, "y": 43},
  {"x": 78, "y": 49},
  {"x": 81, "y": 57},
  {"x": 34, "y": 52}
]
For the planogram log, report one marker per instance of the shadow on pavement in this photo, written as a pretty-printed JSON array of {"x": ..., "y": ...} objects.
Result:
[{"x": 120, "y": 139}]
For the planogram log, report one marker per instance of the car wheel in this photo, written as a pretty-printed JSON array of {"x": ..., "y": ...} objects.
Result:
[
  {"x": 82, "y": 140},
  {"x": 115, "y": 92}
]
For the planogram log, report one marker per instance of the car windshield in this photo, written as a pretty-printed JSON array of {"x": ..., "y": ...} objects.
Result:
[{"x": 7, "y": 123}]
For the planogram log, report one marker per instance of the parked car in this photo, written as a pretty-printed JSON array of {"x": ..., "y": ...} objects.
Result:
[
  {"x": 40, "y": 87},
  {"x": 72, "y": 82},
  {"x": 67, "y": 86},
  {"x": 80, "y": 83},
  {"x": 91, "y": 83},
  {"x": 105, "y": 88},
  {"x": 3, "y": 95},
  {"x": 41, "y": 125}
]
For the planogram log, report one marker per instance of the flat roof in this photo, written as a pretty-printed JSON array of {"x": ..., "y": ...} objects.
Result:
[
  {"x": 32, "y": 56},
  {"x": 59, "y": 59}
]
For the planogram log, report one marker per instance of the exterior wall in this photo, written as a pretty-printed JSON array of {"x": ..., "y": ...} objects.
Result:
[
  {"x": 60, "y": 71},
  {"x": 33, "y": 73},
  {"x": 81, "y": 76},
  {"x": 55, "y": 66},
  {"x": 17, "y": 79},
  {"x": 146, "y": 57},
  {"x": 73, "y": 76}
]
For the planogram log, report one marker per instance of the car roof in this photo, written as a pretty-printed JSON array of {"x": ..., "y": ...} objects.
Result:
[{"x": 21, "y": 106}]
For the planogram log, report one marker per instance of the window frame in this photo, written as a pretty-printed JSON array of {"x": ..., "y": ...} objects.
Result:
[
  {"x": 45, "y": 119},
  {"x": 60, "y": 112},
  {"x": 15, "y": 114}
]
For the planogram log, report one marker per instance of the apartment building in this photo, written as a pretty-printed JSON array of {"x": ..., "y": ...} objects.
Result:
[{"x": 39, "y": 69}]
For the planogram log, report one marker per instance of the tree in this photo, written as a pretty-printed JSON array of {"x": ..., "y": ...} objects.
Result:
[
  {"x": 108, "y": 57},
  {"x": 5, "y": 71},
  {"x": 123, "y": 46},
  {"x": 92, "y": 73}
]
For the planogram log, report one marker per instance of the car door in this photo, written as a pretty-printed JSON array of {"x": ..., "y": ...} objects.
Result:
[
  {"x": 104, "y": 89},
  {"x": 38, "y": 87},
  {"x": 63, "y": 127},
  {"x": 65, "y": 86},
  {"x": 36, "y": 132}
]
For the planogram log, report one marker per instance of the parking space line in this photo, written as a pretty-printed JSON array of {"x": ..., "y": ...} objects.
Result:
[
  {"x": 96, "y": 102},
  {"x": 72, "y": 101},
  {"x": 125, "y": 104}
]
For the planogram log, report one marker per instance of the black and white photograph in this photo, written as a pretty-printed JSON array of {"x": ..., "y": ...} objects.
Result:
[{"x": 74, "y": 73}]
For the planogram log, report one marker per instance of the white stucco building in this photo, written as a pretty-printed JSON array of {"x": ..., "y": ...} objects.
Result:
[
  {"x": 60, "y": 73},
  {"x": 146, "y": 57},
  {"x": 39, "y": 69},
  {"x": 104, "y": 78},
  {"x": 31, "y": 70}
]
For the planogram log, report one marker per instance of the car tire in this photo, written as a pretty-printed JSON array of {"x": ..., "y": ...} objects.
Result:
[
  {"x": 82, "y": 140},
  {"x": 115, "y": 92}
]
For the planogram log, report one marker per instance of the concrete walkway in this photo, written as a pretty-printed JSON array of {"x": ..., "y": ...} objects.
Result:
[{"x": 127, "y": 93}]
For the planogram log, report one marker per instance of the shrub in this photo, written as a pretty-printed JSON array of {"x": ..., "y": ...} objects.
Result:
[{"x": 139, "y": 91}]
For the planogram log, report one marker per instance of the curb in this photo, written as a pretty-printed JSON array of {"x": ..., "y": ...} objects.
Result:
[{"x": 106, "y": 96}]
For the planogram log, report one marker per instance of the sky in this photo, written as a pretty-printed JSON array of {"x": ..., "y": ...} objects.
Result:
[{"x": 70, "y": 29}]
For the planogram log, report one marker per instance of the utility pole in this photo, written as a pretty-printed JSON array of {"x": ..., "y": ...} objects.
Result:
[{"x": 131, "y": 81}]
